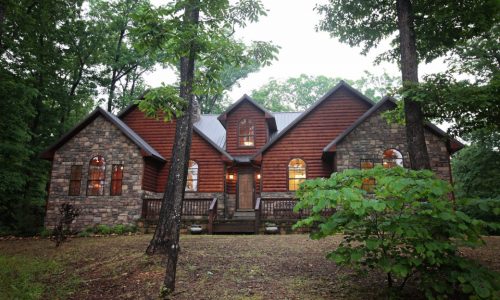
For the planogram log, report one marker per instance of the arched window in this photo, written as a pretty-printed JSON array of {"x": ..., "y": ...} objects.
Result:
[
  {"x": 392, "y": 158},
  {"x": 192, "y": 177},
  {"x": 246, "y": 133},
  {"x": 296, "y": 173},
  {"x": 97, "y": 169}
]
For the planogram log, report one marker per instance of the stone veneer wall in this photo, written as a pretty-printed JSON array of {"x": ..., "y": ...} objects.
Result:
[
  {"x": 99, "y": 138},
  {"x": 371, "y": 138}
]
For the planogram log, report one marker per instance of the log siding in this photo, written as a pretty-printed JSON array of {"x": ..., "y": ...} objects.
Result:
[{"x": 307, "y": 139}]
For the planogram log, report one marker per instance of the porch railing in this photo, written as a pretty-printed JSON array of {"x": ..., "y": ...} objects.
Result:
[
  {"x": 280, "y": 208},
  {"x": 190, "y": 207}
]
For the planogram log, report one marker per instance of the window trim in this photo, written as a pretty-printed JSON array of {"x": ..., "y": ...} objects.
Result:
[
  {"x": 288, "y": 173},
  {"x": 249, "y": 121},
  {"x": 197, "y": 177},
  {"x": 113, "y": 180},
  {"x": 103, "y": 180},
  {"x": 72, "y": 180}
]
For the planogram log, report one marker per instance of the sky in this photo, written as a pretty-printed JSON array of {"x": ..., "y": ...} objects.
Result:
[{"x": 290, "y": 24}]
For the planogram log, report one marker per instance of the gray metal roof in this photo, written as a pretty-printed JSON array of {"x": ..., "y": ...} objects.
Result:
[
  {"x": 283, "y": 119},
  {"x": 210, "y": 126}
]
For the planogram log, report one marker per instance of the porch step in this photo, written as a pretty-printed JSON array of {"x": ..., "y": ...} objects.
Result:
[
  {"x": 244, "y": 215},
  {"x": 234, "y": 226}
]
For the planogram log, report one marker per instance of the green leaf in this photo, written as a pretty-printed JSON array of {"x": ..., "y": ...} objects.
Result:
[
  {"x": 400, "y": 270},
  {"x": 372, "y": 244}
]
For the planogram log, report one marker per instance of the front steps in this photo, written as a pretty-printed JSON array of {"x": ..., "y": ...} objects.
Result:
[
  {"x": 244, "y": 215},
  {"x": 234, "y": 226}
]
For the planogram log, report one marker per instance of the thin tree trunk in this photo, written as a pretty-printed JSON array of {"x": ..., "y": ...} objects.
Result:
[
  {"x": 115, "y": 71},
  {"x": 419, "y": 158},
  {"x": 2, "y": 20},
  {"x": 166, "y": 237}
]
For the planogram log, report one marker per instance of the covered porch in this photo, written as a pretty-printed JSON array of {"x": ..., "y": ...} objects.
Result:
[{"x": 210, "y": 213}]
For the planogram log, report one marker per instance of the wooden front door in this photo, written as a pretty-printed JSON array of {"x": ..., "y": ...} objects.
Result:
[{"x": 245, "y": 189}]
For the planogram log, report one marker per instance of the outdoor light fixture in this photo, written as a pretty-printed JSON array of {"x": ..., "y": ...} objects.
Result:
[
  {"x": 258, "y": 176},
  {"x": 231, "y": 176}
]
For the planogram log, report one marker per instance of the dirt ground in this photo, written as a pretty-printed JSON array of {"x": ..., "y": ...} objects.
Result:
[{"x": 210, "y": 267}]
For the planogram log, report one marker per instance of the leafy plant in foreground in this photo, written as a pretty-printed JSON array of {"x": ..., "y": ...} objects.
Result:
[
  {"x": 67, "y": 214},
  {"x": 406, "y": 228}
]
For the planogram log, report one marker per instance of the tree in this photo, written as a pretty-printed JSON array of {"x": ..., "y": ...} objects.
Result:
[
  {"x": 122, "y": 63},
  {"x": 475, "y": 168},
  {"x": 299, "y": 93},
  {"x": 424, "y": 30},
  {"x": 189, "y": 31},
  {"x": 471, "y": 105},
  {"x": 46, "y": 56},
  {"x": 230, "y": 75}
]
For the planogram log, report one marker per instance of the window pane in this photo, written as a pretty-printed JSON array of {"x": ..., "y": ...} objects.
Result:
[
  {"x": 75, "y": 181},
  {"x": 76, "y": 172},
  {"x": 246, "y": 133},
  {"x": 192, "y": 177},
  {"x": 296, "y": 173},
  {"x": 367, "y": 164},
  {"x": 97, "y": 169},
  {"x": 392, "y": 158},
  {"x": 116, "y": 180}
]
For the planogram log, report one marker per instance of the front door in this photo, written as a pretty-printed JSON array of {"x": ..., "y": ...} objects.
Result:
[{"x": 245, "y": 189}]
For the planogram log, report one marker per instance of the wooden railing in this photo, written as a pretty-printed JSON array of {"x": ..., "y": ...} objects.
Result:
[
  {"x": 190, "y": 207},
  {"x": 280, "y": 209},
  {"x": 257, "y": 215},
  {"x": 212, "y": 215},
  {"x": 151, "y": 209}
]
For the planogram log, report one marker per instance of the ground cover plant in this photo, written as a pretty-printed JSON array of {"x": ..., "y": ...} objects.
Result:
[{"x": 404, "y": 225}]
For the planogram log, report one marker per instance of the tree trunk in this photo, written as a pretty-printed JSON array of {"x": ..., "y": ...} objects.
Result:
[
  {"x": 166, "y": 237},
  {"x": 2, "y": 19},
  {"x": 419, "y": 158}
]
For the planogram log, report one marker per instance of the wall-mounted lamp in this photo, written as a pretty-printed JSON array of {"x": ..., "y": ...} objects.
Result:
[
  {"x": 258, "y": 176},
  {"x": 231, "y": 176}
]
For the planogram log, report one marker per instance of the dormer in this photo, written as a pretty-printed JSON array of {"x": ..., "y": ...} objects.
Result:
[{"x": 248, "y": 126}]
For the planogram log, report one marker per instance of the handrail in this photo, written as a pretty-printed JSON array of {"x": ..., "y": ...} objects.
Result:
[
  {"x": 257, "y": 204},
  {"x": 213, "y": 203},
  {"x": 257, "y": 215},
  {"x": 212, "y": 215}
]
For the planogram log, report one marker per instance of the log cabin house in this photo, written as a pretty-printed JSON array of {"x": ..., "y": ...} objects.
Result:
[{"x": 245, "y": 164}]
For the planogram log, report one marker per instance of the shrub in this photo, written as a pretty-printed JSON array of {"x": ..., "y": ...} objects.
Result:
[
  {"x": 102, "y": 229},
  {"x": 105, "y": 230},
  {"x": 487, "y": 210},
  {"x": 406, "y": 228},
  {"x": 67, "y": 214},
  {"x": 118, "y": 229},
  {"x": 45, "y": 233}
]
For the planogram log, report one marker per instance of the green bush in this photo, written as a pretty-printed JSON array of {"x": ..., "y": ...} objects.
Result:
[
  {"x": 105, "y": 230},
  {"x": 406, "y": 228},
  {"x": 45, "y": 233},
  {"x": 102, "y": 229},
  {"x": 118, "y": 229},
  {"x": 487, "y": 210}
]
